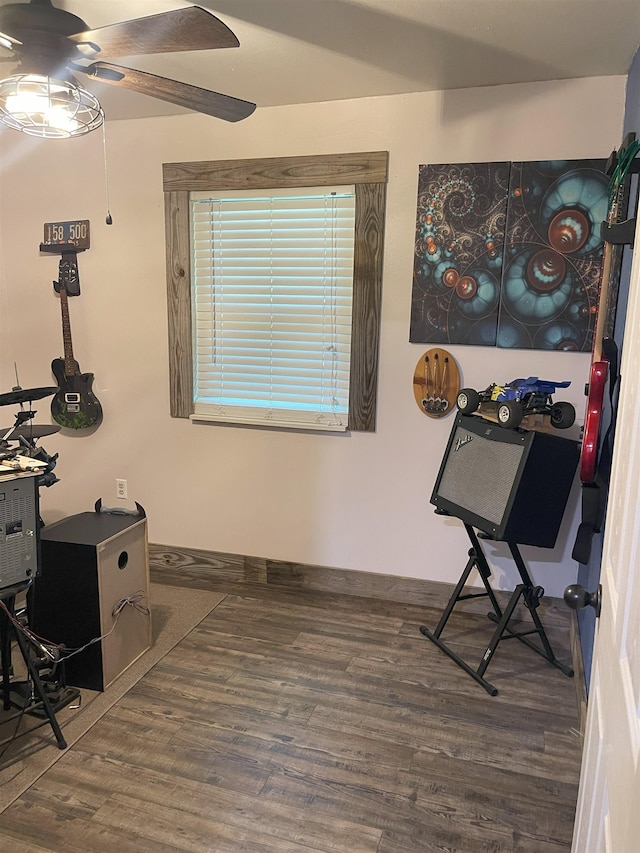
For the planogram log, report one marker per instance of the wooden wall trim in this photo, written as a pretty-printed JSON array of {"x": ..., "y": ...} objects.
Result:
[
  {"x": 366, "y": 308},
  {"x": 171, "y": 564},
  {"x": 268, "y": 172},
  {"x": 368, "y": 171},
  {"x": 178, "y": 266}
]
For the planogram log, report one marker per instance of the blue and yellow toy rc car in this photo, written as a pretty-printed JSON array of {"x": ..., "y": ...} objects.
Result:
[{"x": 511, "y": 402}]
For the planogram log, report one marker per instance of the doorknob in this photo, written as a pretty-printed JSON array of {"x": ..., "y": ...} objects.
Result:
[{"x": 576, "y": 597}]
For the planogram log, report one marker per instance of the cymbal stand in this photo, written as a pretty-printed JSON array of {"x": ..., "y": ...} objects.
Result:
[
  {"x": 27, "y": 447},
  {"x": 21, "y": 418}
]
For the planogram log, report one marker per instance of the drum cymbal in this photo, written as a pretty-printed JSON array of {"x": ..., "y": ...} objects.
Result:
[
  {"x": 29, "y": 431},
  {"x": 25, "y": 395}
]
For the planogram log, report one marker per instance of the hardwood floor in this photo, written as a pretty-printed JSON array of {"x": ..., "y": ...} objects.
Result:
[{"x": 301, "y": 721}]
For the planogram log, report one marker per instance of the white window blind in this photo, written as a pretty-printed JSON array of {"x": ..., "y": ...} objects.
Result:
[{"x": 272, "y": 276}]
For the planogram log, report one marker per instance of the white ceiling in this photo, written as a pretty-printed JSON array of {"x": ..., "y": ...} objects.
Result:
[{"x": 301, "y": 51}]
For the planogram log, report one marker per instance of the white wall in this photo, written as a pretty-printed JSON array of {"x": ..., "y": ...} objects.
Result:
[{"x": 359, "y": 501}]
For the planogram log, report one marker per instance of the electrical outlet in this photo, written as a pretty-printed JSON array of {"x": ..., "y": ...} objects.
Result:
[{"x": 121, "y": 489}]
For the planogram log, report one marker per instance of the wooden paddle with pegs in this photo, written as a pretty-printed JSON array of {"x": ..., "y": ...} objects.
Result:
[{"x": 436, "y": 382}]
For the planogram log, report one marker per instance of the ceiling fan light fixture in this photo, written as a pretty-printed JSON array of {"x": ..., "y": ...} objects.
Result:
[{"x": 47, "y": 107}]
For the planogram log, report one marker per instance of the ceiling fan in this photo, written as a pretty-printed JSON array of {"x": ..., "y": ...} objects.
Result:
[{"x": 48, "y": 43}]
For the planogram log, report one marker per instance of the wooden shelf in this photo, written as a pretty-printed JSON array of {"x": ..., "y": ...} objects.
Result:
[{"x": 539, "y": 423}]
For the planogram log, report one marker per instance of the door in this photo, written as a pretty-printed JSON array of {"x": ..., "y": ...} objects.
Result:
[{"x": 608, "y": 814}]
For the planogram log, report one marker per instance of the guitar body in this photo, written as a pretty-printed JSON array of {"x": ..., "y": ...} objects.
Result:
[
  {"x": 593, "y": 415},
  {"x": 75, "y": 406}
]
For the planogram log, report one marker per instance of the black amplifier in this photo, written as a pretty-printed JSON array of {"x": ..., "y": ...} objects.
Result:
[{"x": 19, "y": 520}]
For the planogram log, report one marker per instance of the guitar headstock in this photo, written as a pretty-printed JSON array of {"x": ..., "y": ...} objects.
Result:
[{"x": 68, "y": 278}]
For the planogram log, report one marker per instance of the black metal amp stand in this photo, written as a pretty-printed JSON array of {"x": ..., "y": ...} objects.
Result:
[
  {"x": 529, "y": 593},
  {"x": 9, "y": 631}
]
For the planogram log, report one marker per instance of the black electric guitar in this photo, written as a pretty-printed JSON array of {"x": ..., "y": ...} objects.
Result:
[{"x": 75, "y": 405}]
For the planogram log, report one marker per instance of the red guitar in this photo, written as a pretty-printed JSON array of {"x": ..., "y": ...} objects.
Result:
[{"x": 605, "y": 317}]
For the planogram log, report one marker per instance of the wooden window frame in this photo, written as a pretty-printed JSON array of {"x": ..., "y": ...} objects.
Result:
[{"x": 367, "y": 171}]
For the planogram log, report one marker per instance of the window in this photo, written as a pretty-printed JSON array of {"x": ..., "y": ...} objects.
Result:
[
  {"x": 272, "y": 279},
  {"x": 221, "y": 335}
]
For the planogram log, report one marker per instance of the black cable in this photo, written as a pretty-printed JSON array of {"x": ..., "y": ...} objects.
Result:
[{"x": 58, "y": 652}]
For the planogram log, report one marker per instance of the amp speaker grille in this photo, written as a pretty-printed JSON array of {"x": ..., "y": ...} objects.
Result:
[{"x": 475, "y": 462}]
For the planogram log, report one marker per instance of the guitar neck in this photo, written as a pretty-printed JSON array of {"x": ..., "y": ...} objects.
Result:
[
  {"x": 69, "y": 362},
  {"x": 603, "y": 301},
  {"x": 610, "y": 276}
]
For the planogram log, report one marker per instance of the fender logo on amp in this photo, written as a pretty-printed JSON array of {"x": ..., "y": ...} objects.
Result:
[{"x": 460, "y": 442}]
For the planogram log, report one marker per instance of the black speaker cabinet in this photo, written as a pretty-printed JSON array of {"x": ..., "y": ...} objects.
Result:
[
  {"x": 510, "y": 483},
  {"x": 89, "y": 563}
]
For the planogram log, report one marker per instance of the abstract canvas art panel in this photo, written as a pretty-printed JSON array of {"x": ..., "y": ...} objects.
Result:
[
  {"x": 509, "y": 254},
  {"x": 553, "y": 255},
  {"x": 460, "y": 232}
]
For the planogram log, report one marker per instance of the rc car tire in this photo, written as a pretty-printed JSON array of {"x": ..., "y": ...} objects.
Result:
[
  {"x": 467, "y": 400},
  {"x": 510, "y": 414},
  {"x": 562, "y": 415}
]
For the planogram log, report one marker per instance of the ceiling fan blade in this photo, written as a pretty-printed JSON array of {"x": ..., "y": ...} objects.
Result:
[
  {"x": 181, "y": 29},
  {"x": 8, "y": 41},
  {"x": 181, "y": 94}
]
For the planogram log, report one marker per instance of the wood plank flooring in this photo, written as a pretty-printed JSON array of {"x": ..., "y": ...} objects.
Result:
[{"x": 296, "y": 721}]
